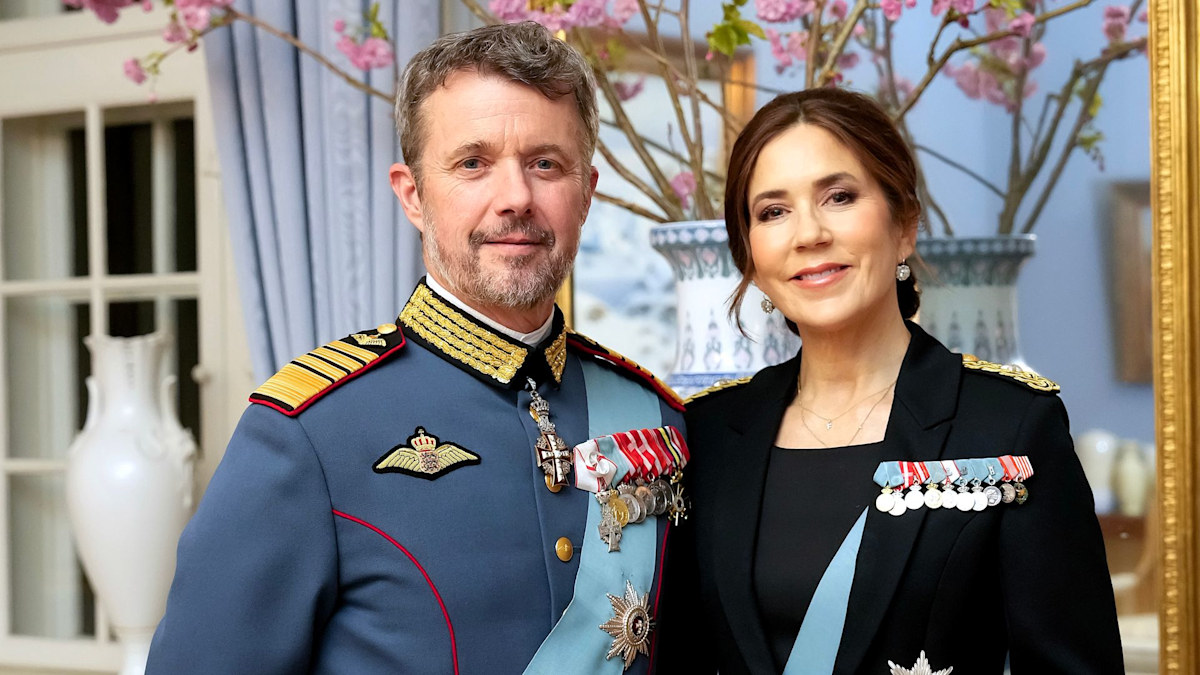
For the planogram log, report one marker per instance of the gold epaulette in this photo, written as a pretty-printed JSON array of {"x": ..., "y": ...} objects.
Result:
[
  {"x": 1026, "y": 377},
  {"x": 304, "y": 379},
  {"x": 719, "y": 385},
  {"x": 589, "y": 346}
]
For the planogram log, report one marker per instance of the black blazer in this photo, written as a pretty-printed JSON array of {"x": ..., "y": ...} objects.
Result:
[{"x": 966, "y": 588}]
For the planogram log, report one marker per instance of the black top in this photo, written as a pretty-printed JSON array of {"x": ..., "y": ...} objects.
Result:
[
  {"x": 808, "y": 507},
  {"x": 967, "y": 588}
]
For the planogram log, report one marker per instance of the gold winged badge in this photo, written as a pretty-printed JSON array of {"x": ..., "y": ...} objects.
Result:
[{"x": 425, "y": 456}]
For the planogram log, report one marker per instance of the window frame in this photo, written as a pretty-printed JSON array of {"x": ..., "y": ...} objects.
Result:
[{"x": 71, "y": 63}]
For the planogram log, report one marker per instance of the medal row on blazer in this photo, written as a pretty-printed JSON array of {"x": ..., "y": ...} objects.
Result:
[
  {"x": 650, "y": 463},
  {"x": 966, "y": 484}
]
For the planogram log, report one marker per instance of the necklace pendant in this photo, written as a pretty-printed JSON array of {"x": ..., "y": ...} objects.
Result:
[{"x": 828, "y": 425}]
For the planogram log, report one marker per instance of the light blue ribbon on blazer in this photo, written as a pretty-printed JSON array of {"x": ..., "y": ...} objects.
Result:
[
  {"x": 577, "y": 645},
  {"x": 815, "y": 649}
]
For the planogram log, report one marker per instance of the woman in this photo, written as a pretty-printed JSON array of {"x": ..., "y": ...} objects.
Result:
[{"x": 807, "y": 550}]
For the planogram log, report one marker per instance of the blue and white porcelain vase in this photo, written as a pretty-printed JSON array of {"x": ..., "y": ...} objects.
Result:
[
  {"x": 709, "y": 347},
  {"x": 969, "y": 302}
]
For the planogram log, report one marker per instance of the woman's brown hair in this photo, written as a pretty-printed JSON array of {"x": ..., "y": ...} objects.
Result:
[{"x": 858, "y": 123}]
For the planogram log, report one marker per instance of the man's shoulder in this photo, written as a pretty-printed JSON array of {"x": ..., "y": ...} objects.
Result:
[
  {"x": 306, "y": 378},
  {"x": 588, "y": 348}
]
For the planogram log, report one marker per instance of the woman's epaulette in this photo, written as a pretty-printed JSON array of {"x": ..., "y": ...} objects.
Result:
[
  {"x": 305, "y": 379},
  {"x": 719, "y": 385},
  {"x": 586, "y": 345},
  {"x": 1026, "y": 377}
]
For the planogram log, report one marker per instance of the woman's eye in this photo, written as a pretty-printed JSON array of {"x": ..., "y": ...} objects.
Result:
[
  {"x": 841, "y": 197},
  {"x": 770, "y": 213}
]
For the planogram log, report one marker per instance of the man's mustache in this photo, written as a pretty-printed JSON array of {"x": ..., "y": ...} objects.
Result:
[{"x": 526, "y": 228}]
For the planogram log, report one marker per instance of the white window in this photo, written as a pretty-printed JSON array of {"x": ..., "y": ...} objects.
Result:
[{"x": 110, "y": 223}]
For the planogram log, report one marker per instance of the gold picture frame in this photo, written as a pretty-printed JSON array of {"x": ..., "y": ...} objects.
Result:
[{"x": 1175, "y": 184}]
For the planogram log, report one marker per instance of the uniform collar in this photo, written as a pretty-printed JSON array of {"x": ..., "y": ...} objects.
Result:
[
  {"x": 446, "y": 329},
  {"x": 532, "y": 338}
]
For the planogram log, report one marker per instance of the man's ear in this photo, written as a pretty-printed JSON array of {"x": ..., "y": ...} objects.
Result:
[
  {"x": 404, "y": 184},
  {"x": 593, "y": 178}
]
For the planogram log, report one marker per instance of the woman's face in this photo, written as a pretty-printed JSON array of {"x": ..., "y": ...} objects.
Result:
[{"x": 822, "y": 239}]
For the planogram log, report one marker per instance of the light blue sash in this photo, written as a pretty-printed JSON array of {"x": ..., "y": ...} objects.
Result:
[
  {"x": 816, "y": 646},
  {"x": 577, "y": 645}
]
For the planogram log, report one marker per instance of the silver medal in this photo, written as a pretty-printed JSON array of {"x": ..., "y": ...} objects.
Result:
[
  {"x": 662, "y": 496},
  {"x": 636, "y": 512},
  {"x": 898, "y": 505},
  {"x": 980, "y": 502},
  {"x": 933, "y": 497},
  {"x": 966, "y": 501},
  {"x": 992, "y": 494},
  {"x": 914, "y": 499},
  {"x": 949, "y": 497},
  {"x": 884, "y": 501}
]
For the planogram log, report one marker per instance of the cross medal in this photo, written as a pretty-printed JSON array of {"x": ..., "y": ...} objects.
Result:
[{"x": 553, "y": 456}]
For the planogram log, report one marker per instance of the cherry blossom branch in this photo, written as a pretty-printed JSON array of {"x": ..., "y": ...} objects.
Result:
[
  {"x": 295, "y": 42},
  {"x": 961, "y": 167},
  {"x": 702, "y": 199},
  {"x": 959, "y": 45},
  {"x": 839, "y": 42},
  {"x": 629, "y": 206}
]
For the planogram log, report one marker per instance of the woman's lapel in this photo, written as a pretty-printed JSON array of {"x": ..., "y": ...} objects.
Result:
[
  {"x": 926, "y": 400},
  {"x": 753, "y": 426}
]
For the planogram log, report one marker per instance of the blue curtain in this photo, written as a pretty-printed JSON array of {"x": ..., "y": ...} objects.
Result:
[{"x": 321, "y": 246}]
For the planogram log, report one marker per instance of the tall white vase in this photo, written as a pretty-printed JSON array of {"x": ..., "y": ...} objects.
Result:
[
  {"x": 970, "y": 303},
  {"x": 129, "y": 487},
  {"x": 708, "y": 347}
]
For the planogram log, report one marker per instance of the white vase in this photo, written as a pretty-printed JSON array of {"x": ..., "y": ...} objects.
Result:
[
  {"x": 708, "y": 347},
  {"x": 969, "y": 303},
  {"x": 1097, "y": 450},
  {"x": 1131, "y": 479},
  {"x": 129, "y": 487}
]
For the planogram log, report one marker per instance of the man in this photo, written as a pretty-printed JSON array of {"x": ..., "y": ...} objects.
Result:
[{"x": 406, "y": 499}]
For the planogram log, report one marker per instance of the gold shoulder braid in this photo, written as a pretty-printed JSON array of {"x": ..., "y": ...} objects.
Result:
[
  {"x": 719, "y": 385},
  {"x": 307, "y": 377},
  {"x": 1026, "y": 377},
  {"x": 589, "y": 346}
]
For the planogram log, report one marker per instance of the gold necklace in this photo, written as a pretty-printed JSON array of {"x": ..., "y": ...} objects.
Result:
[
  {"x": 883, "y": 394},
  {"x": 830, "y": 420}
]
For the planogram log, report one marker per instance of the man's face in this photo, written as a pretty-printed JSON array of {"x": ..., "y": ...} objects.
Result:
[{"x": 503, "y": 192}]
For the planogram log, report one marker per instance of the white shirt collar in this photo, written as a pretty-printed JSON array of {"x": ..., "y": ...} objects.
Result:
[{"x": 530, "y": 339}]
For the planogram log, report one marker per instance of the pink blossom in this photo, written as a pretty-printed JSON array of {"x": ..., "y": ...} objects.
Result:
[
  {"x": 797, "y": 44},
  {"x": 105, "y": 10},
  {"x": 1022, "y": 25},
  {"x": 587, "y": 13},
  {"x": 133, "y": 70},
  {"x": 1143, "y": 16},
  {"x": 623, "y": 10},
  {"x": 1116, "y": 20},
  {"x": 339, "y": 26},
  {"x": 1037, "y": 54},
  {"x": 781, "y": 11},
  {"x": 174, "y": 32},
  {"x": 847, "y": 61},
  {"x": 509, "y": 10},
  {"x": 371, "y": 53},
  {"x": 960, "y": 6},
  {"x": 902, "y": 87},
  {"x": 684, "y": 185},
  {"x": 627, "y": 90},
  {"x": 147, "y": 5},
  {"x": 782, "y": 58},
  {"x": 891, "y": 9},
  {"x": 838, "y": 9}
]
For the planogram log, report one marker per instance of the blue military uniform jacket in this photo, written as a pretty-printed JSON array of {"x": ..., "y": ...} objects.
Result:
[{"x": 326, "y": 543}]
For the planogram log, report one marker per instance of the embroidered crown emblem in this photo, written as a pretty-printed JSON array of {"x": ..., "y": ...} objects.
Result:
[{"x": 424, "y": 455}]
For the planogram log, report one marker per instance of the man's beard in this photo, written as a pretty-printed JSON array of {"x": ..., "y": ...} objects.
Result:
[{"x": 523, "y": 283}]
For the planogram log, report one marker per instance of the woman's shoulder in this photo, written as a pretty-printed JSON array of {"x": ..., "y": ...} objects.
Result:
[{"x": 1003, "y": 391}]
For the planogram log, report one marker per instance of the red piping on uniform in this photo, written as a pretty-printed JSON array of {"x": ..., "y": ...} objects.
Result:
[
  {"x": 335, "y": 385},
  {"x": 664, "y": 393},
  {"x": 438, "y": 596},
  {"x": 662, "y": 559}
]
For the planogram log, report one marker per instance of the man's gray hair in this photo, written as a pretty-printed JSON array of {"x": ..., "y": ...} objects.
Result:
[{"x": 522, "y": 52}]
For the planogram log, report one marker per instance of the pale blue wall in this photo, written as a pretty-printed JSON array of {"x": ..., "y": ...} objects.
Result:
[{"x": 1064, "y": 316}]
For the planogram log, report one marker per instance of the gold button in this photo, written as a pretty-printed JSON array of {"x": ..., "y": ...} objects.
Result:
[
  {"x": 386, "y": 328},
  {"x": 551, "y": 485},
  {"x": 564, "y": 548}
]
